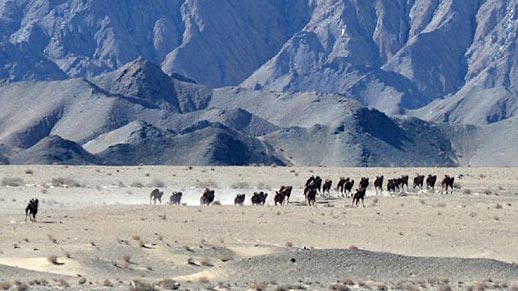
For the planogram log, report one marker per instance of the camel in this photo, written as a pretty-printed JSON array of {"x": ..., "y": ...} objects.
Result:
[
  {"x": 404, "y": 182},
  {"x": 259, "y": 198},
  {"x": 348, "y": 187},
  {"x": 286, "y": 190},
  {"x": 364, "y": 183},
  {"x": 430, "y": 182},
  {"x": 311, "y": 196},
  {"x": 418, "y": 182},
  {"x": 207, "y": 197},
  {"x": 239, "y": 200},
  {"x": 447, "y": 182},
  {"x": 378, "y": 184},
  {"x": 156, "y": 195},
  {"x": 175, "y": 198},
  {"x": 340, "y": 185},
  {"x": 327, "y": 186},
  {"x": 279, "y": 198},
  {"x": 392, "y": 184},
  {"x": 31, "y": 210},
  {"x": 359, "y": 195}
]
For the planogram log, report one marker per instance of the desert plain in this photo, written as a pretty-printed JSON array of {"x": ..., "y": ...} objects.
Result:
[{"x": 96, "y": 229}]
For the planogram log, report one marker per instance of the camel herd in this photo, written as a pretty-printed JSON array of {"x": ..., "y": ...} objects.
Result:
[{"x": 316, "y": 186}]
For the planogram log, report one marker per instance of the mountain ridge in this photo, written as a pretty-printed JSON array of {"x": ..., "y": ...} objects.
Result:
[{"x": 403, "y": 82}]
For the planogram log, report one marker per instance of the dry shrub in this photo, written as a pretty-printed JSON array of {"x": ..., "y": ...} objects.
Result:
[
  {"x": 54, "y": 260},
  {"x": 12, "y": 182},
  {"x": 63, "y": 283},
  {"x": 422, "y": 201},
  {"x": 211, "y": 184},
  {"x": 289, "y": 244},
  {"x": 136, "y": 237},
  {"x": 127, "y": 258},
  {"x": 64, "y": 182},
  {"x": 480, "y": 286},
  {"x": 467, "y": 191},
  {"x": 226, "y": 258},
  {"x": 204, "y": 280},
  {"x": 339, "y": 287},
  {"x": 499, "y": 206},
  {"x": 5, "y": 285},
  {"x": 52, "y": 239},
  {"x": 347, "y": 281},
  {"x": 169, "y": 284},
  {"x": 21, "y": 286},
  {"x": 240, "y": 185},
  {"x": 82, "y": 281},
  {"x": 107, "y": 283},
  {"x": 156, "y": 183},
  {"x": 262, "y": 186},
  {"x": 217, "y": 203},
  {"x": 291, "y": 287},
  {"x": 354, "y": 248},
  {"x": 206, "y": 262},
  {"x": 142, "y": 286},
  {"x": 29, "y": 172},
  {"x": 136, "y": 184},
  {"x": 259, "y": 286}
]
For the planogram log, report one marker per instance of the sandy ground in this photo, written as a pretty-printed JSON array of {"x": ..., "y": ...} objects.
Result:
[{"x": 105, "y": 235}]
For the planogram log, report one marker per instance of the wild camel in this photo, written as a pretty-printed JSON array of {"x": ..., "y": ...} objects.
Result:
[{"x": 31, "y": 210}]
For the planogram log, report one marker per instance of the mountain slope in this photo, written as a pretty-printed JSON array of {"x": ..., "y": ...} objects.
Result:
[
  {"x": 391, "y": 55},
  {"x": 213, "y": 42},
  {"x": 490, "y": 92},
  {"x": 55, "y": 150},
  {"x": 134, "y": 115}
]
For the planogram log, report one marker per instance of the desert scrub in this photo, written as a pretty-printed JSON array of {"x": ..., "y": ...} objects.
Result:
[
  {"x": 136, "y": 184},
  {"x": 12, "y": 182},
  {"x": 211, "y": 184},
  {"x": 54, "y": 260},
  {"x": 156, "y": 183},
  {"x": 65, "y": 182},
  {"x": 240, "y": 185}
]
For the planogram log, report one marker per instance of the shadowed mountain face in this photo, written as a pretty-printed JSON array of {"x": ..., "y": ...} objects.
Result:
[
  {"x": 139, "y": 115},
  {"x": 55, "y": 150},
  {"x": 390, "y": 55}
]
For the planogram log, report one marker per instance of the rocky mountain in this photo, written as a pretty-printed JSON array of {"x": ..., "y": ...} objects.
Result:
[
  {"x": 241, "y": 82},
  {"x": 55, "y": 150},
  {"x": 390, "y": 55},
  {"x": 139, "y": 115}
]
